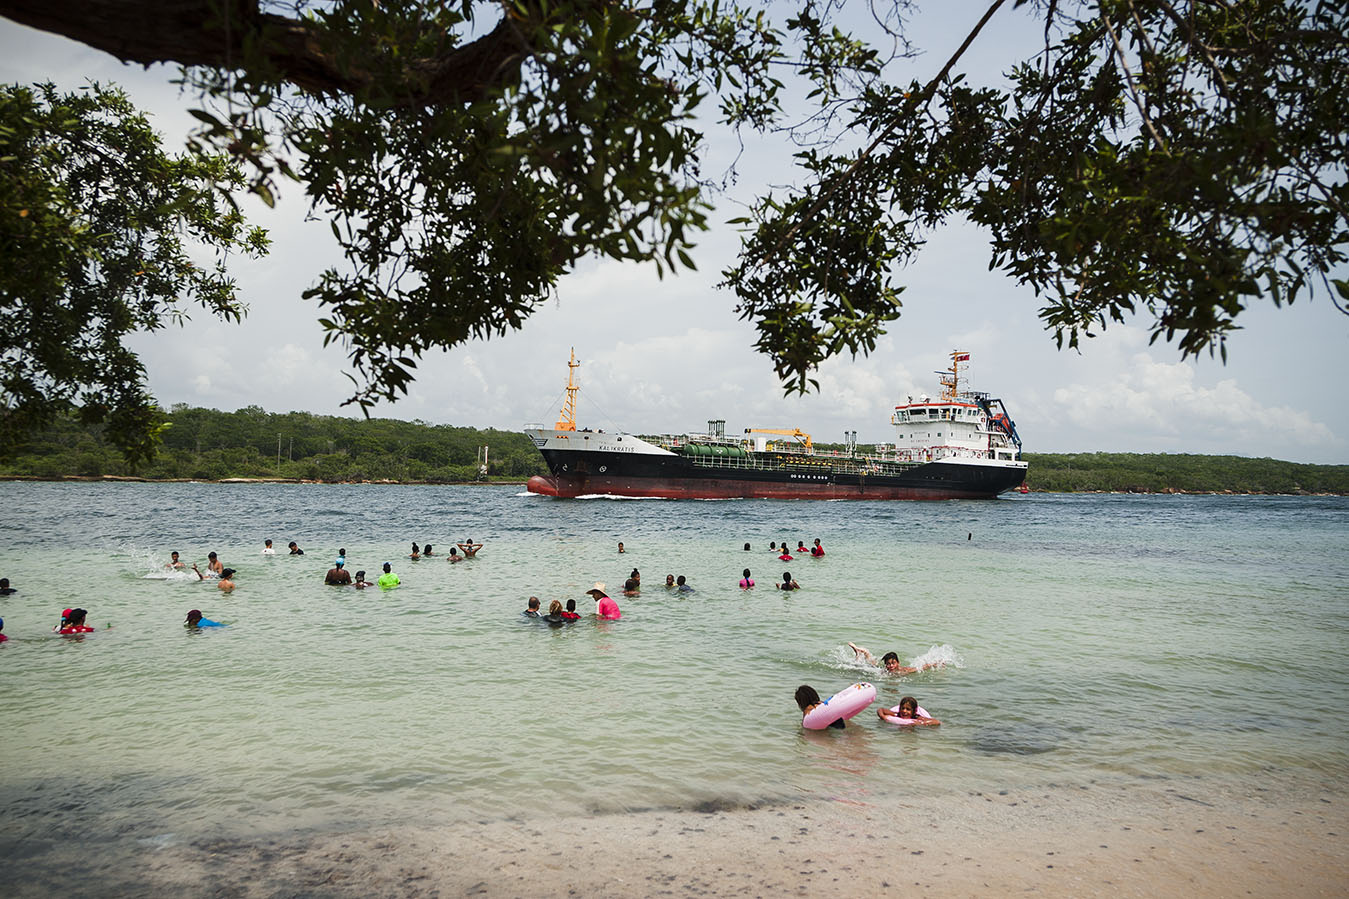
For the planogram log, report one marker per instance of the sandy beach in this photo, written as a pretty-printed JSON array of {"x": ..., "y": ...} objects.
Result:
[{"x": 1101, "y": 841}]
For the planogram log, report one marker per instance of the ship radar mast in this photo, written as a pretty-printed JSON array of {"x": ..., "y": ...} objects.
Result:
[
  {"x": 950, "y": 379},
  {"x": 567, "y": 421}
]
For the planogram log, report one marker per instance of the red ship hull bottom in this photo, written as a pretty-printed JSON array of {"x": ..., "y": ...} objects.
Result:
[{"x": 725, "y": 488}]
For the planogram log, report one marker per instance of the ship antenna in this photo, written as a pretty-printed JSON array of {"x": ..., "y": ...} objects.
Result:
[
  {"x": 950, "y": 380},
  {"x": 567, "y": 421}
]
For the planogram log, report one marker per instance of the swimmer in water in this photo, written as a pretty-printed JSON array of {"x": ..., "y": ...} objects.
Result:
[
  {"x": 890, "y": 661},
  {"x": 388, "y": 580},
  {"x": 817, "y": 550},
  {"x": 426, "y": 550},
  {"x": 571, "y": 614},
  {"x": 194, "y": 620},
  {"x": 174, "y": 561},
  {"x": 788, "y": 583},
  {"x": 213, "y": 564},
  {"x": 470, "y": 548},
  {"x": 361, "y": 583},
  {"x": 267, "y": 548},
  {"x": 3, "y": 638},
  {"x": 5, "y": 588},
  {"x": 669, "y": 582},
  {"x": 416, "y": 552},
  {"x": 532, "y": 610},
  {"x": 72, "y": 622},
  {"x": 337, "y": 576},
  {"x": 294, "y": 549},
  {"x": 746, "y": 582},
  {"x": 807, "y": 699},
  {"x": 908, "y": 709},
  {"x": 605, "y": 607},
  {"x": 454, "y": 556},
  {"x": 555, "y": 618},
  {"x": 224, "y": 577}
]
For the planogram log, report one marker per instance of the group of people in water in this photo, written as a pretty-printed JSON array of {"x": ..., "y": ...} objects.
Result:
[
  {"x": 468, "y": 548},
  {"x": 908, "y": 712}
]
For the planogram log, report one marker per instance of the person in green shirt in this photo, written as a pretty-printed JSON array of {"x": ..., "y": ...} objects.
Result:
[{"x": 388, "y": 578}]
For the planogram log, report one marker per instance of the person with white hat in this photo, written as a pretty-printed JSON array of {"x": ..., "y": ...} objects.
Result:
[{"x": 605, "y": 607}]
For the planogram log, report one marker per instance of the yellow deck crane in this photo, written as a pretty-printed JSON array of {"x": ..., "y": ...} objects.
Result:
[{"x": 799, "y": 434}]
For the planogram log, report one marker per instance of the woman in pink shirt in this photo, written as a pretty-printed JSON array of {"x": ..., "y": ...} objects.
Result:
[{"x": 605, "y": 607}]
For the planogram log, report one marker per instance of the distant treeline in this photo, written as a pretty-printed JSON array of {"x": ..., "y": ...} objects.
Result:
[
  {"x": 1165, "y": 473},
  {"x": 206, "y": 444},
  {"x": 209, "y": 445}
]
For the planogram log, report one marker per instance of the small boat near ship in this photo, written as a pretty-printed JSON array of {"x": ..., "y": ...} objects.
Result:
[{"x": 960, "y": 445}]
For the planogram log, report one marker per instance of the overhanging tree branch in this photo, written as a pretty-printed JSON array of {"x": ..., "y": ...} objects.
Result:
[{"x": 222, "y": 34}]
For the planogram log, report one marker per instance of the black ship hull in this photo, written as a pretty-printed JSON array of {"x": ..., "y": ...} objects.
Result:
[{"x": 672, "y": 476}]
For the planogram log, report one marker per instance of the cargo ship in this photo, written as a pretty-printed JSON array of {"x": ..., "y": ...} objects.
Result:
[{"x": 959, "y": 445}]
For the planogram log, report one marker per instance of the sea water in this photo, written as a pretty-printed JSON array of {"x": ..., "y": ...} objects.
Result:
[{"x": 1083, "y": 639}]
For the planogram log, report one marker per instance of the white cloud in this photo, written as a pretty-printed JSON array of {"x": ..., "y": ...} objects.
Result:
[{"x": 1163, "y": 403}]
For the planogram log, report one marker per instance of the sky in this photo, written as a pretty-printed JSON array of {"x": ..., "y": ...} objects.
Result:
[{"x": 665, "y": 356}]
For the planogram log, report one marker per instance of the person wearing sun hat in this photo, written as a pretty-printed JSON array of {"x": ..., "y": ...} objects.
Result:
[{"x": 605, "y": 607}]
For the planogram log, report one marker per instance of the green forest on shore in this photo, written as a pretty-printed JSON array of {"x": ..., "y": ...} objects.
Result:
[{"x": 251, "y": 443}]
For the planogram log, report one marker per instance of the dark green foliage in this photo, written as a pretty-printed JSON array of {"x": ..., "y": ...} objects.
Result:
[
  {"x": 205, "y": 444},
  {"x": 1176, "y": 159},
  {"x": 1156, "y": 473},
  {"x": 1180, "y": 160},
  {"x": 97, "y": 230}
]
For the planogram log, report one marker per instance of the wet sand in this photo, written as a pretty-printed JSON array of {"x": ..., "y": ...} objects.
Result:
[{"x": 1102, "y": 841}]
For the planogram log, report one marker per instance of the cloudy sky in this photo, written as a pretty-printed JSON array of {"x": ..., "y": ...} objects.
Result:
[{"x": 667, "y": 355}]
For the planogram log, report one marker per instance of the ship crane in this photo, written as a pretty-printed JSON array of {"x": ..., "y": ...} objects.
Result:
[{"x": 794, "y": 432}]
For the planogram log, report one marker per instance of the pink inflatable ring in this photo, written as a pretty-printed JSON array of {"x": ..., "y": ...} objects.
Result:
[
  {"x": 842, "y": 705},
  {"x": 892, "y": 717}
]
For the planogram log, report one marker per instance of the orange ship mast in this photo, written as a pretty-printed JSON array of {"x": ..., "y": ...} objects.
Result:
[
  {"x": 950, "y": 380},
  {"x": 567, "y": 421}
]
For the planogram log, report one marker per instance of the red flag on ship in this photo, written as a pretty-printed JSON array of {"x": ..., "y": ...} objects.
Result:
[{"x": 963, "y": 357}]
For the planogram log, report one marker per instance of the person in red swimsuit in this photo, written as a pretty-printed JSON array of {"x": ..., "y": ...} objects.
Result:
[{"x": 72, "y": 622}]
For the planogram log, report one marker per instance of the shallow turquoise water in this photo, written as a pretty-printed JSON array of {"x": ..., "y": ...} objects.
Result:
[{"x": 1088, "y": 639}]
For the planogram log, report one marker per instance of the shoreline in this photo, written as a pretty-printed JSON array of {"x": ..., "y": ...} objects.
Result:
[
  {"x": 134, "y": 479},
  {"x": 1098, "y": 841}
]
